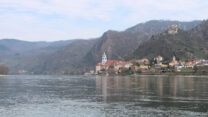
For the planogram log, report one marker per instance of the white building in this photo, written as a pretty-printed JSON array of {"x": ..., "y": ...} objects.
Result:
[{"x": 104, "y": 59}]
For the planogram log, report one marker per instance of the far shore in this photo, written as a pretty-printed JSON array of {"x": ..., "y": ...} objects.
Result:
[
  {"x": 139, "y": 74},
  {"x": 177, "y": 73},
  {"x": 160, "y": 74},
  {"x": 3, "y": 75}
]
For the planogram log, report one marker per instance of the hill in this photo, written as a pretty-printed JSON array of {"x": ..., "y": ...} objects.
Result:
[
  {"x": 118, "y": 45},
  {"x": 184, "y": 45}
]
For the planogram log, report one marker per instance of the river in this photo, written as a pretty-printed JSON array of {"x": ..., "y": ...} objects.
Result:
[{"x": 103, "y": 96}]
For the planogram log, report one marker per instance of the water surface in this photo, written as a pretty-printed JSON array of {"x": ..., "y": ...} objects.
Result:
[{"x": 103, "y": 96}]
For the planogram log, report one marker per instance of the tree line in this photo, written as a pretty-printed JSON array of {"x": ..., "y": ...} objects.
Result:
[{"x": 4, "y": 70}]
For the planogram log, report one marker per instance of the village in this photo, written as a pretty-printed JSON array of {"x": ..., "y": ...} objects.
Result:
[{"x": 155, "y": 66}]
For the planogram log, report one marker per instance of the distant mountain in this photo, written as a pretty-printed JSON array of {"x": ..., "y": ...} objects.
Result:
[
  {"x": 184, "y": 45},
  {"x": 26, "y": 55},
  {"x": 68, "y": 59},
  {"x": 14, "y": 46},
  {"x": 157, "y": 26},
  {"x": 78, "y": 56}
]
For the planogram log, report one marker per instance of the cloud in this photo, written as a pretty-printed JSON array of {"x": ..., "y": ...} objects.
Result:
[
  {"x": 64, "y": 19},
  {"x": 79, "y": 8},
  {"x": 167, "y": 9},
  {"x": 103, "y": 9}
]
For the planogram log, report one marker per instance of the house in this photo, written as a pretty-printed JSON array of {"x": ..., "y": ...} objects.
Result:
[
  {"x": 22, "y": 71},
  {"x": 205, "y": 63},
  {"x": 159, "y": 63},
  {"x": 202, "y": 63},
  {"x": 144, "y": 61},
  {"x": 121, "y": 64},
  {"x": 183, "y": 66},
  {"x": 179, "y": 67},
  {"x": 191, "y": 63},
  {"x": 142, "y": 68},
  {"x": 174, "y": 62},
  {"x": 98, "y": 67},
  {"x": 158, "y": 59}
]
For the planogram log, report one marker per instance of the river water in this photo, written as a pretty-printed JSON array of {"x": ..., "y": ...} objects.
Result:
[{"x": 103, "y": 96}]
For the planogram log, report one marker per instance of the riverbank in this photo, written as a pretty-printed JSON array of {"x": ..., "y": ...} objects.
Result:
[
  {"x": 177, "y": 73},
  {"x": 167, "y": 73}
]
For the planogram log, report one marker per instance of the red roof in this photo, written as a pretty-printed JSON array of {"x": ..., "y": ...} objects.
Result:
[
  {"x": 122, "y": 63},
  {"x": 99, "y": 64},
  {"x": 115, "y": 62},
  {"x": 111, "y": 62}
]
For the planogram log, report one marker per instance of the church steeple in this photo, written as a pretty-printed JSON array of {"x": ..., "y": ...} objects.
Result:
[{"x": 104, "y": 59}]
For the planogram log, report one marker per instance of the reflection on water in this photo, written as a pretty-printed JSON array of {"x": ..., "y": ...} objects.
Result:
[
  {"x": 156, "y": 86},
  {"x": 103, "y": 96},
  {"x": 173, "y": 92}
]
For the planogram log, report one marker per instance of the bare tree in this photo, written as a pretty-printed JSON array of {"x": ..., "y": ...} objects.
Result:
[{"x": 4, "y": 69}]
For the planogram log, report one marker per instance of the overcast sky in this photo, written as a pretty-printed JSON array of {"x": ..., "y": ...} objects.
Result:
[{"x": 50, "y": 20}]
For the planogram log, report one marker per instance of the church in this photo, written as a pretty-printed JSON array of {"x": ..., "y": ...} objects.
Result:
[{"x": 111, "y": 65}]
